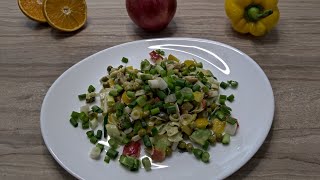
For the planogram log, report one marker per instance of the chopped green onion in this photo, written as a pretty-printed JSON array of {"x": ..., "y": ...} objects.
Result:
[
  {"x": 113, "y": 92},
  {"x": 96, "y": 109},
  {"x": 199, "y": 65},
  {"x": 137, "y": 126},
  {"x": 100, "y": 146},
  {"x": 125, "y": 60},
  {"x": 205, "y": 89},
  {"x": 74, "y": 122},
  {"x": 93, "y": 140},
  {"x": 177, "y": 88},
  {"x": 223, "y": 97},
  {"x": 161, "y": 95},
  {"x": 99, "y": 134},
  {"x": 222, "y": 101},
  {"x": 113, "y": 143},
  {"x": 130, "y": 94},
  {"x": 147, "y": 88},
  {"x": 154, "y": 131},
  {"x": 83, "y": 117},
  {"x": 90, "y": 134},
  {"x": 112, "y": 153},
  {"x": 230, "y": 98},
  {"x": 125, "y": 140},
  {"x": 118, "y": 88},
  {"x": 161, "y": 52},
  {"x": 192, "y": 68},
  {"x": 224, "y": 85},
  {"x": 226, "y": 139},
  {"x": 82, "y": 97},
  {"x": 197, "y": 153},
  {"x": 153, "y": 71},
  {"x": 107, "y": 159},
  {"x": 220, "y": 115},
  {"x": 146, "y": 141},
  {"x": 133, "y": 104},
  {"x": 142, "y": 100},
  {"x": 205, "y": 157},
  {"x": 231, "y": 120},
  {"x": 171, "y": 109},
  {"x": 234, "y": 84},
  {"x": 163, "y": 73},
  {"x": 85, "y": 125},
  {"x": 91, "y": 89},
  {"x": 196, "y": 87},
  {"x": 188, "y": 96},
  {"x": 75, "y": 115},
  {"x": 155, "y": 111},
  {"x": 206, "y": 145},
  {"x": 146, "y": 163},
  {"x": 180, "y": 82}
]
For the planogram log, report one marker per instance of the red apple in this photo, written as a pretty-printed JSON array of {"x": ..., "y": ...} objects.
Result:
[{"x": 151, "y": 15}]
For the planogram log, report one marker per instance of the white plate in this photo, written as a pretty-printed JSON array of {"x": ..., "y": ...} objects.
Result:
[{"x": 253, "y": 106}]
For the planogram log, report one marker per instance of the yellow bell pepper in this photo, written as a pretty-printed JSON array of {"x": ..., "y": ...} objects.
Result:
[
  {"x": 256, "y": 17},
  {"x": 201, "y": 123},
  {"x": 198, "y": 96},
  {"x": 189, "y": 63},
  {"x": 173, "y": 58},
  {"x": 125, "y": 99},
  {"x": 218, "y": 126}
]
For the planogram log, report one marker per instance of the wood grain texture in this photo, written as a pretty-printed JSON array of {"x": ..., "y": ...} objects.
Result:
[{"x": 32, "y": 56}]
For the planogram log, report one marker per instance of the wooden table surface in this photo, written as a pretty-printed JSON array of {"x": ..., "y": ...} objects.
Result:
[{"x": 33, "y": 56}]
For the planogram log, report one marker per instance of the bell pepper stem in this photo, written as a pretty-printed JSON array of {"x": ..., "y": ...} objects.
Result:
[{"x": 254, "y": 13}]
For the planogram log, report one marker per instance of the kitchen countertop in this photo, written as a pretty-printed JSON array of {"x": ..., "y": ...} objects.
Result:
[{"x": 33, "y": 56}]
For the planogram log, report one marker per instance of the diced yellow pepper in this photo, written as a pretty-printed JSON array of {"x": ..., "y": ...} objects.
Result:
[
  {"x": 173, "y": 58},
  {"x": 201, "y": 123},
  {"x": 189, "y": 62},
  {"x": 198, "y": 96},
  {"x": 218, "y": 126},
  {"x": 111, "y": 119},
  {"x": 111, "y": 82},
  {"x": 125, "y": 99},
  {"x": 129, "y": 68}
]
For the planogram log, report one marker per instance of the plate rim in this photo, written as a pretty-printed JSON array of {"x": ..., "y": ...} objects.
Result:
[{"x": 232, "y": 171}]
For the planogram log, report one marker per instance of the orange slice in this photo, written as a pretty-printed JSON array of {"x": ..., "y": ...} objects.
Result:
[
  {"x": 65, "y": 15},
  {"x": 32, "y": 9}
]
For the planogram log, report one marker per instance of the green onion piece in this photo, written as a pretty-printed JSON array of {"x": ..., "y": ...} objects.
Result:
[
  {"x": 146, "y": 141},
  {"x": 177, "y": 88},
  {"x": 158, "y": 105},
  {"x": 93, "y": 140},
  {"x": 100, "y": 146},
  {"x": 147, "y": 88},
  {"x": 105, "y": 122},
  {"x": 192, "y": 68},
  {"x": 154, "y": 131},
  {"x": 205, "y": 157},
  {"x": 171, "y": 109},
  {"x": 188, "y": 96},
  {"x": 125, "y": 140},
  {"x": 119, "y": 88},
  {"x": 220, "y": 115},
  {"x": 74, "y": 122},
  {"x": 197, "y": 153},
  {"x": 112, "y": 153},
  {"x": 222, "y": 101},
  {"x": 153, "y": 71},
  {"x": 82, "y": 97},
  {"x": 113, "y": 92},
  {"x": 224, "y": 85},
  {"x": 161, "y": 52},
  {"x": 145, "y": 77},
  {"x": 142, "y": 100},
  {"x": 205, "y": 89},
  {"x": 226, "y": 139},
  {"x": 75, "y": 115},
  {"x": 170, "y": 72},
  {"x": 85, "y": 125},
  {"x": 206, "y": 145},
  {"x": 178, "y": 94},
  {"x": 234, "y": 84},
  {"x": 146, "y": 163},
  {"x": 199, "y": 65},
  {"x": 107, "y": 159},
  {"x": 96, "y": 109},
  {"x": 161, "y": 95},
  {"x": 196, "y": 87},
  {"x": 125, "y": 60},
  {"x": 186, "y": 129},
  {"x": 99, "y": 134},
  {"x": 180, "y": 82},
  {"x": 158, "y": 68},
  {"x": 113, "y": 143},
  {"x": 144, "y": 124},
  {"x": 91, "y": 89},
  {"x": 83, "y": 117},
  {"x": 130, "y": 94},
  {"x": 132, "y": 104},
  {"x": 230, "y": 98},
  {"x": 155, "y": 111},
  {"x": 90, "y": 134},
  {"x": 163, "y": 73},
  {"x": 137, "y": 126},
  {"x": 231, "y": 120},
  {"x": 180, "y": 101},
  {"x": 223, "y": 97}
]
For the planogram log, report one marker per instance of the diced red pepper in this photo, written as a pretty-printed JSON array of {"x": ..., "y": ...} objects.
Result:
[
  {"x": 155, "y": 56},
  {"x": 158, "y": 155},
  {"x": 132, "y": 149}
]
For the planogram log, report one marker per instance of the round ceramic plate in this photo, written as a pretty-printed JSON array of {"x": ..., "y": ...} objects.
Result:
[{"x": 253, "y": 107}]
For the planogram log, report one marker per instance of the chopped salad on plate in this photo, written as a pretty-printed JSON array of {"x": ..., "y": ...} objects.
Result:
[{"x": 165, "y": 106}]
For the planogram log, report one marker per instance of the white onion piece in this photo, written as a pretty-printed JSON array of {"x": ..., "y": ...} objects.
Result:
[
  {"x": 163, "y": 85},
  {"x": 85, "y": 109},
  {"x": 93, "y": 124},
  {"x": 174, "y": 146},
  {"x": 170, "y": 98},
  {"x": 136, "y": 138},
  {"x": 95, "y": 153},
  {"x": 127, "y": 131},
  {"x": 127, "y": 110},
  {"x": 231, "y": 129}
]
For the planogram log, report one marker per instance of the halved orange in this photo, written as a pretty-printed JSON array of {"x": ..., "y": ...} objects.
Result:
[
  {"x": 32, "y": 9},
  {"x": 65, "y": 15}
]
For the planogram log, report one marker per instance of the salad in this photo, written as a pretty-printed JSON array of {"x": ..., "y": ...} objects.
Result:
[{"x": 166, "y": 106}]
